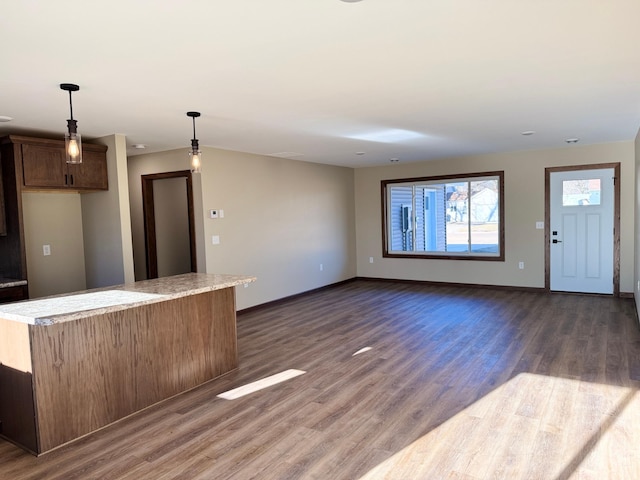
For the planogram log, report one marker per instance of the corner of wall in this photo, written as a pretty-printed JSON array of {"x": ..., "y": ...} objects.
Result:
[
  {"x": 107, "y": 224},
  {"x": 198, "y": 213},
  {"x": 636, "y": 217}
]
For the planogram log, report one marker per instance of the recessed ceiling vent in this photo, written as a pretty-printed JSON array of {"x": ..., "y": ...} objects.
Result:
[{"x": 285, "y": 154}]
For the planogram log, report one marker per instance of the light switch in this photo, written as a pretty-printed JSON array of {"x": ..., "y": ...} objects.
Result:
[
  {"x": 213, "y": 213},
  {"x": 540, "y": 225},
  {"x": 215, "y": 239},
  {"x": 46, "y": 250}
]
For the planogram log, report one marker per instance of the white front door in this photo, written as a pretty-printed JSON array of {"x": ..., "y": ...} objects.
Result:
[{"x": 581, "y": 230}]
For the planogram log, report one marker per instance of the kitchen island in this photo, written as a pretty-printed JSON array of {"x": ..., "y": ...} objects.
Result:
[{"x": 71, "y": 364}]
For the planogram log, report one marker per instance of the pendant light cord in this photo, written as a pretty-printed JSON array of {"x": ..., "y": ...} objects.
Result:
[
  {"x": 194, "y": 127},
  {"x": 70, "y": 105}
]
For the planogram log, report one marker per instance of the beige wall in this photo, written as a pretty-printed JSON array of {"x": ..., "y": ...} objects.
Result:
[
  {"x": 524, "y": 205},
  {"x": 282, "y": 219},
  {"x": 53, "y": 219},
  {"x": 106, "y": 222}
]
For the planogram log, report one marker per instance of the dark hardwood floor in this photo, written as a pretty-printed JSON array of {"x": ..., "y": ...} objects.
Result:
[{"x": 452, "y": 382}]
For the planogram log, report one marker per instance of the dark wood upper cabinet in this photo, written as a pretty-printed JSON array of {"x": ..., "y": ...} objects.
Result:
[{"x": 44, "y": 166}]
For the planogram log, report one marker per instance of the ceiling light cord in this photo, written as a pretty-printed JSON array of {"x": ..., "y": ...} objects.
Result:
[{"x": 70, "y": 105}]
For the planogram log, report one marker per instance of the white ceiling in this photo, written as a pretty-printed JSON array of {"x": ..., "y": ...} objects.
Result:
[{"x": 422, "y": 79}]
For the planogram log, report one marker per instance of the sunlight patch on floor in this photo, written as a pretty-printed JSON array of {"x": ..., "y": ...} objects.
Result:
[
  {"x": 533, "y": 426},
  {"x": 260, "y": 384},
  {"x": 362, "y": 350}
]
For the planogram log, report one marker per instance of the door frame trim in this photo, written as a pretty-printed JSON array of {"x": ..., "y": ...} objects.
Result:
[
  {"x": 616, "y": 219},
  {"x": 148, "y": 207}
]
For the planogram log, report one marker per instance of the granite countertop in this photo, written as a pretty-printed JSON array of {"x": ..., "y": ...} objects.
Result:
[
  {"x": 11, "y": 282},
  {"x": 73, "y": 306}
]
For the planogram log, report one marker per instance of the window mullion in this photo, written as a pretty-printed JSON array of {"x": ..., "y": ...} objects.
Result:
[
  {"x": 413, "y": 219},
  {"x": 469, "y": 216}
]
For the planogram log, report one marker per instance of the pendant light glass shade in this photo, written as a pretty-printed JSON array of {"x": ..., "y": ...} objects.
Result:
[
  {"x": 73, "y": 144},
  {"x": 72, "y": 139},
  {"x": 195, "y": 155}
]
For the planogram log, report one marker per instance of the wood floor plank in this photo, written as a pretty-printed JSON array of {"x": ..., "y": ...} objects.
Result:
[{"x": 455, "y": 382}]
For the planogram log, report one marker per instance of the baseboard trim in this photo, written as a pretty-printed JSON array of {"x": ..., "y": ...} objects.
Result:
[
  {"x": 455, "y": 284},
  {"x": 296, "y": 295}
]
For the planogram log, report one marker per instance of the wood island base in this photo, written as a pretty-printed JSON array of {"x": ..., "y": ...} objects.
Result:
[{"x": 61, "y": 381}]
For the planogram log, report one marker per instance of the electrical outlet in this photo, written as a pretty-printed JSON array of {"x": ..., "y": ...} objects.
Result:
[
  {"x": 215, "y": 239},
  {"x": 521, "y": 265},
  {"x": 370, "y": 259},
  {"x": 46, "y": 250}
]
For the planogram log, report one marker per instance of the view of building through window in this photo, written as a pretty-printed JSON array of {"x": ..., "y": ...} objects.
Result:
[{"x": 581, "y": 192}]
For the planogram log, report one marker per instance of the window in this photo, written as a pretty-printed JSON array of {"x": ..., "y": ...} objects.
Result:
[
  {"x": 581, "y": 192},
  {"x": 451, "y": 217}
]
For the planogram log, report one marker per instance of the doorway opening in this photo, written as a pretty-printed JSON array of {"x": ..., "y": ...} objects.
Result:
[{"x": 169, "y": 223}]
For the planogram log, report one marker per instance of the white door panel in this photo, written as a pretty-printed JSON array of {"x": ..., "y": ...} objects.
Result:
[
  {"x": 569, "y": 239},
  {"x": 593, "y": 249}
]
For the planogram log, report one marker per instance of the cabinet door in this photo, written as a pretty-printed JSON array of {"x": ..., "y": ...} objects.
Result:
[
  {"x": 91, "y": 174},
  {"x": 43, "y": 166}
]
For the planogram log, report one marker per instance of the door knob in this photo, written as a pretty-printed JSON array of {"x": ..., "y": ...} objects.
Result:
[{"x": 555, "y": 240}]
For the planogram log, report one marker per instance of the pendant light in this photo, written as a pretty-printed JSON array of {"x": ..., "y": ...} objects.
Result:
[
  {"x": 72, "y": 139},
  {"x": 195, "y": 153}
]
